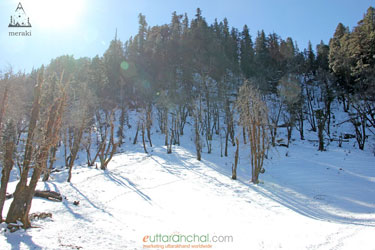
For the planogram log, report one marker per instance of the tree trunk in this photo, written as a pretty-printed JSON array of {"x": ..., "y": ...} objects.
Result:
[
  {"x": 197, "y": 137},
  {"x": 3, "y": 107},
  {"x": 244, "y": 135},
  {"x": 289, "y": 129},
  {"x": 359, "y": 124},
  {"x": 299, "y": 124},
  {"x": 310, "y": 109},
  {"x": 182, "y": 120},
  {"x": 90, "y": 162},
  {"x": 20, "y": 207},
  {"x": 143, "y": 138},
  {"x": 321, "y": 119},
  {"x": 77, "y": 142},
  {"x": 321, "y": 138},
  {"x": 328, "y": 112},
  {"x": 52, "y": 160},
  {"x": 108, "y": 151},
  {"x": 226, "y": 143},
  {"x": 120, "y": 131},
  {"x": 149, "y": 123},
  {"x": 177, "y": 133},
  {"x": 5, "y": 173},
  {"x": 23, "y": 195},
  {"x": 171, "y": 139},
  {"x": 234, "y": 168},
  {"x": 166, "y": 131},
  {"x": 136, "y": 135}
]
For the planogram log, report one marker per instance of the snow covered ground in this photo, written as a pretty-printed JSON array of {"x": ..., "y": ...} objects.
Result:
[{"x": 306, "y": 200}]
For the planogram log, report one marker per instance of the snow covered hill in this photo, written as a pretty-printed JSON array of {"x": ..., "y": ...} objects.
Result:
[{"x": 306, "y": 200}]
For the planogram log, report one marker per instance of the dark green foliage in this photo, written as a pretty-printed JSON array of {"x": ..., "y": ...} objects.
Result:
[{"x": 247, "y": 54}]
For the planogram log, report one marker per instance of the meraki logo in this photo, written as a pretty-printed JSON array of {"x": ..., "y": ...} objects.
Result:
[{"x": 19, "y": 20}]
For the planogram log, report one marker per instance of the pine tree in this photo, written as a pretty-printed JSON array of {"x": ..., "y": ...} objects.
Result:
[
  {"x": 339, "y": 63},
  {"x": 247, "y": 54},
  {"x": 262, "y": 61}
]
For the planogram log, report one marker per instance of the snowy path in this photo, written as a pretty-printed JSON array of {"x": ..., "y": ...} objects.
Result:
[{"x": 297, "y": 206}]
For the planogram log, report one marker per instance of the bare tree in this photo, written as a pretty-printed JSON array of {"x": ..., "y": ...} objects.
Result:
[
  {"x": 310, "y": 98},
  {"x": 229, "y": 130},
  {"x": 321, "y": 118},
  {"x": 8, "y": 162},
  {"x": 359, "y": 120},
  {"x": 289, "y": 90},
  {"x": 37, "y": 145},
  {"x": 197, "y": 116},
  {"x": 76, "y": 145},
  {"x": 254, "y": 117},
  {"x": 276, "y": 106},
  {"x": 107, "y": 147},
  {"x": 4, "y": 103},
  {"x": 87, "y": 143}
]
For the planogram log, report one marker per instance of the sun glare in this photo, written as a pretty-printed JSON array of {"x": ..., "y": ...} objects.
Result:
[{"x": 55, "y": 14}]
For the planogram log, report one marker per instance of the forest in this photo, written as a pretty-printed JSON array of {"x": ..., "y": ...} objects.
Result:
[{"x": 220, "y": 80}]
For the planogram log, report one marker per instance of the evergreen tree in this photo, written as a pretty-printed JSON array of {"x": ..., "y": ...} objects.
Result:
[
  {"x": 339, "y": 62},
  {"x": 247, "y": 54},
  {"x": 262, "y": 60},
  {"x": 113, "y": 58}
]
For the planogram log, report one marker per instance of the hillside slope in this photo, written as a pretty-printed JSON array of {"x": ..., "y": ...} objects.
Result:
[{"x": 306, "y": 200}]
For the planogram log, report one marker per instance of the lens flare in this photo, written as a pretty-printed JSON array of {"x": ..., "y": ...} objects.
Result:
[{"x": 124, "y": 65}]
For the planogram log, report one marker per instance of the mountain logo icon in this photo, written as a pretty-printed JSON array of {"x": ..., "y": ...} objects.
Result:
[{"x": 19, "y": 19}]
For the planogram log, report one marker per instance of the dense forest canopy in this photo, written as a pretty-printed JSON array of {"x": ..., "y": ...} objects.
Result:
[{"x": 225, "y": 82}]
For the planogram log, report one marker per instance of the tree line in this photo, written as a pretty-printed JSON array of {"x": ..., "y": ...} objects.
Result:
[{"x": 219, "y": 79}]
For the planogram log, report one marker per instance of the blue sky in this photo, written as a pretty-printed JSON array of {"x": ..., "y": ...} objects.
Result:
[{"x": 85, "y": 27}]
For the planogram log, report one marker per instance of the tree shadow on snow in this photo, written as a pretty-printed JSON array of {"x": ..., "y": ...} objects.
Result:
[
  {"x": 124, "y": 182},
  {"x": 89, "y": 201},
  {"x": 20, "y": 239},
  {"x": 316, "y": 205},
  {"x": 64, "y": 201},
  {"x": 177, "y": 162}
]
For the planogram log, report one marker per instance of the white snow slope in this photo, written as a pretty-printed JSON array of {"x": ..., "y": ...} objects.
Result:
[{"x": 306, "y": 200}]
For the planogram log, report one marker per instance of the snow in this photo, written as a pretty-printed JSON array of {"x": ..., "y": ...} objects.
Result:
[{"x": 306, "y": 200}]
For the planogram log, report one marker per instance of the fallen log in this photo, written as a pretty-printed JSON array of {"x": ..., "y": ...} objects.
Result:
[{"x": 49, "y": 195}]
